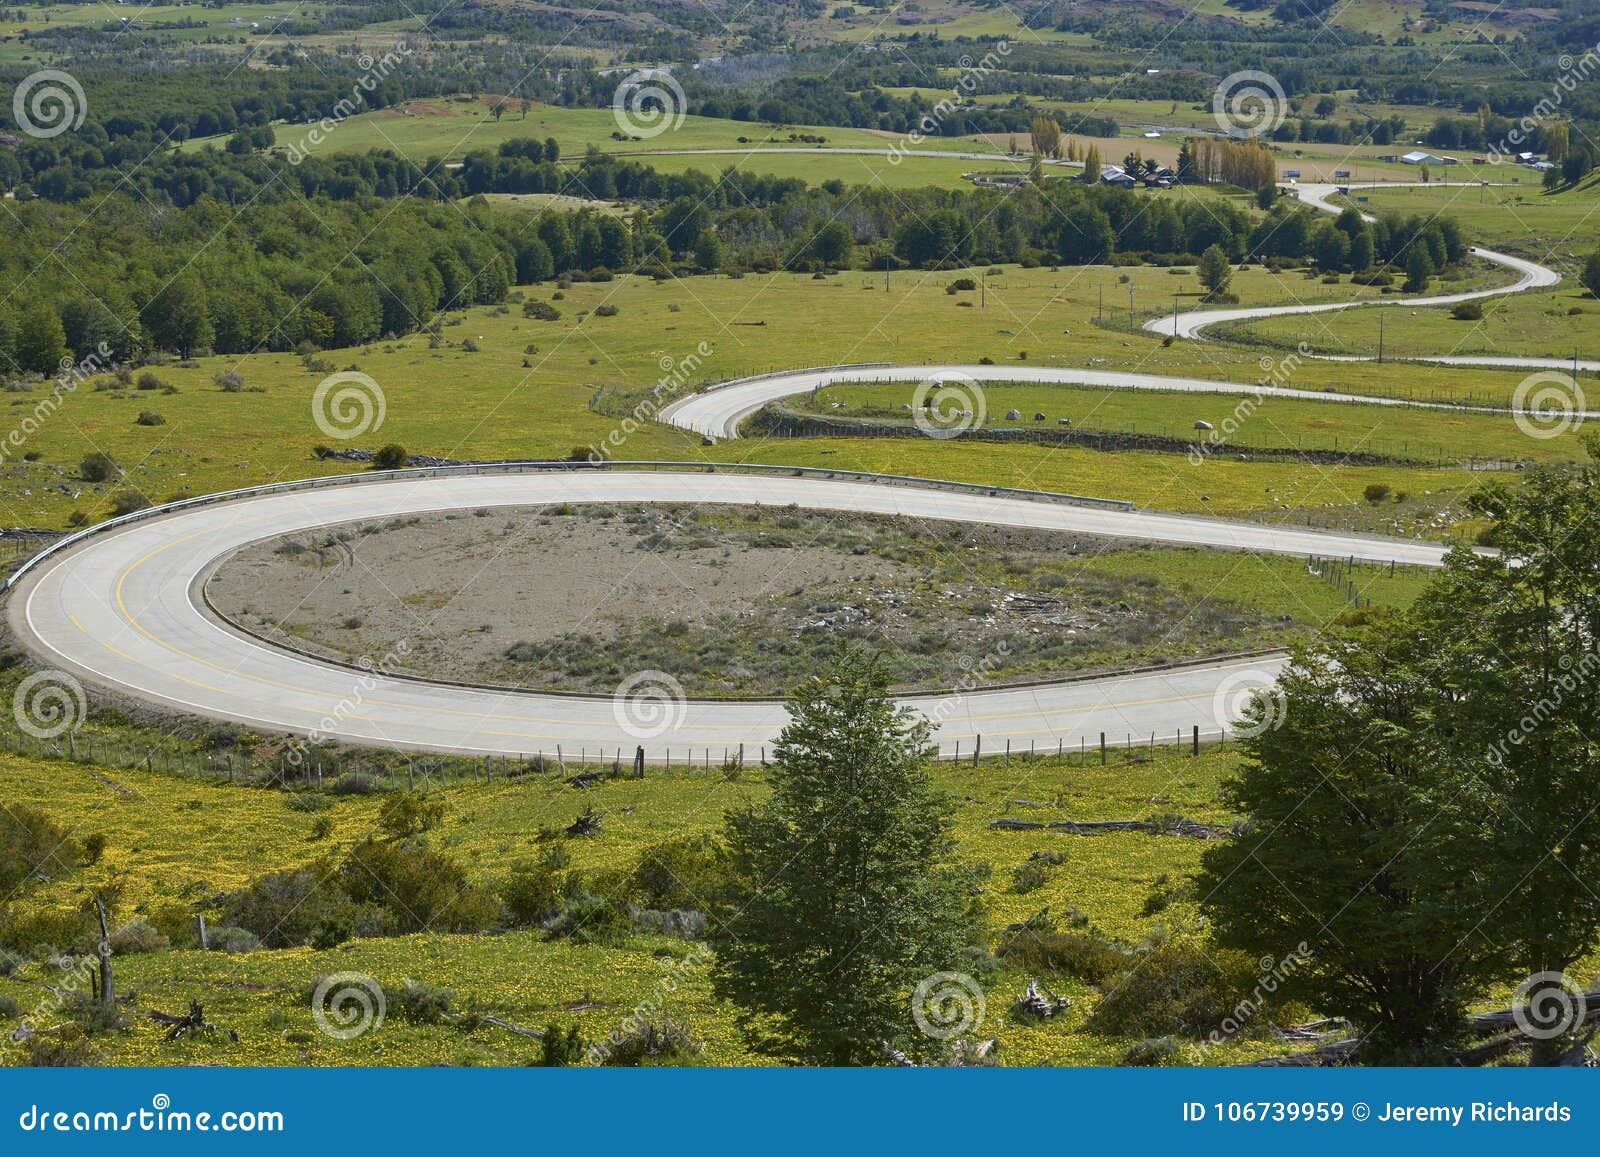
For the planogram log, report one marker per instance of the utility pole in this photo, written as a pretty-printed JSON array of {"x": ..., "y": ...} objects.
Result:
[
  {"x": 1101, "y": 316},
  {"x": 1380, "y": 337},
  {"x": 983, "y": 290},
  {"x": 1130, "y": 303}
]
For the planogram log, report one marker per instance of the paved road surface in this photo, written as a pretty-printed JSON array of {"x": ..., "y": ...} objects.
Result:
[{"x": 124, "y": 609}]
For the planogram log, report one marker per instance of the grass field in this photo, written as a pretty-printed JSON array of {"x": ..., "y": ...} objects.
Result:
[
  {"x": 1558, "y": 225},
  {"x": 505, "y": 401},
  {"x": 449, "y": 128},
  {"x": 1277, "y": 423},
  {"x": 169, "y": 842}
]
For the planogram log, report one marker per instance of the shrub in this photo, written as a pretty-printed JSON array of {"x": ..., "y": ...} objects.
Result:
[
  {"x": 1467, "y": 311},
  {"x": 1028, "y": 877},
  {"x": 354, "y": 783},
  {"x": 666, "y": 1041},
  {"x": 229, "y": 381},
  {"x": 33, "y": 846},
  {"x": 541, "y": 311},
  {"x": 410, "y": 813},
  {"x": 97, "y": 467},
  {"x": 138, "y": 936},
  {"x": 390, "y": 457},
  {"x": 149, "y": 418},
  {"x": 1089, "y": 955},
  {"x": 559, "y": 1048},
  {"x": 688, "y": 872},
  {"x": 127, "y": 502},
  {"x": 532, "y": 893},
  {"x": 1161, "y": 1050},
  {"x": 1376, "y": 492},
  {"x": 607, "y": 310},
  {"x": 149, "y": 381},
  {"x": 10, "y": 961},
  {"x": 229, "y": 939},
  {"x": 419, "y": 1003},
  {"x": 961, "y": 285},
  {"x": 416, "y": 889},
  {"x": 307, "y": 801},
  {"x": 288, "y": 909},
  {"x": 1181, "y": 986},
  {"x": 470, "y": 345},
  {"x": 39, "y": 932},
  {"x": 590, "y": 920}
]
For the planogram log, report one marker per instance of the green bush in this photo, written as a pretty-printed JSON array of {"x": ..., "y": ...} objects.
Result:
[
  {"x": 1376, "y": 492},
  {"x": 1088, "y": 954},
  {"x": 1467, "y": 311},
  {"x": 419, "y": 1003},
  {"x": 417, "y": 889},
  {"x": 227, "y": 939},
  {"x": 1180, "y": 987},
  {"x": 127, "y": 502},
  {"x": 410, "y": 813},
  {"x": 390, "y": 457},
  {"x": 33, "y": 846},
  {"x": 663, "y": 1041},
  {"x": 138, "y": 936},
  {"x": 689, "y": 872},
  {"x": 540, "y": 311},
  {"x": 97, "y": 467},
  {"x": 288, "y": 909},
  {"x": 591, "y": 920},
  {"x": 559, "y": 1049},
  {"x": 1028, "y": 877}
]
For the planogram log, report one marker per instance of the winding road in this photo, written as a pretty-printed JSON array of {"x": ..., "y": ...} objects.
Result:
[{"x": 123, "y": 606}]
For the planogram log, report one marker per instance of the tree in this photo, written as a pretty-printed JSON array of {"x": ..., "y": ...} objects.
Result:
[
  {"x": 1214, "y": 271},
  {"x": 179, "y": 316},
  {"x": 41, "y": 341},
  {"x": 1419, "y": 268},
  {"x": 832, "y": 244},
  {"x": 1091, "y": 165},
  {"x": 1514, "y": 651},
  {"x": 1590, "y": 277},
  {"x": 1359, "y": 843},
  {"x": 843, "y": 891}
]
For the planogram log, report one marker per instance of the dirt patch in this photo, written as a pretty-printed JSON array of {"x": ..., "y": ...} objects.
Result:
[{"x": 727, "y": 600}]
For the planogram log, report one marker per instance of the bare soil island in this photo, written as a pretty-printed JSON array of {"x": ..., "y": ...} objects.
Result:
[{"x": 728, "y": 600}]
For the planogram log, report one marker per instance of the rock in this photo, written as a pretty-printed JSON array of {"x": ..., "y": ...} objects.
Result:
[
  {"x": 1038, "y": 417},
  {"x": 1013, "y": 415},
  {"x": 1063, "y": 421},
  {"x": 1203, "y": 425}
]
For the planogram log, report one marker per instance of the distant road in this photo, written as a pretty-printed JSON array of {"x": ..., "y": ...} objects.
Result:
[
  {"x": 1530, "y": 275},
  {"x": 125, "y": 609}
]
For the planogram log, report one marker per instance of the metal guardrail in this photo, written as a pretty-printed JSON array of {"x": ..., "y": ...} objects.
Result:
[{"x": 552, "y": 466}]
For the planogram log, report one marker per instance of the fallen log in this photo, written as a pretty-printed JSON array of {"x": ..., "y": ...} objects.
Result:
[
  {"x": 192, "y": 1022},
  {"x": 1193, "y": 829}
]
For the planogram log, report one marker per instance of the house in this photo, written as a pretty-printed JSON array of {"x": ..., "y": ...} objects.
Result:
[
  {"x": 1113, "y": 175},
  {"x": 1291, "y": 174},
  {"x": 1449, "y": 160},
  {"x": 1341, "y": 174},
  {"x": 1526, "y": 158},
  {"x": 1418, "y": 157}
]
